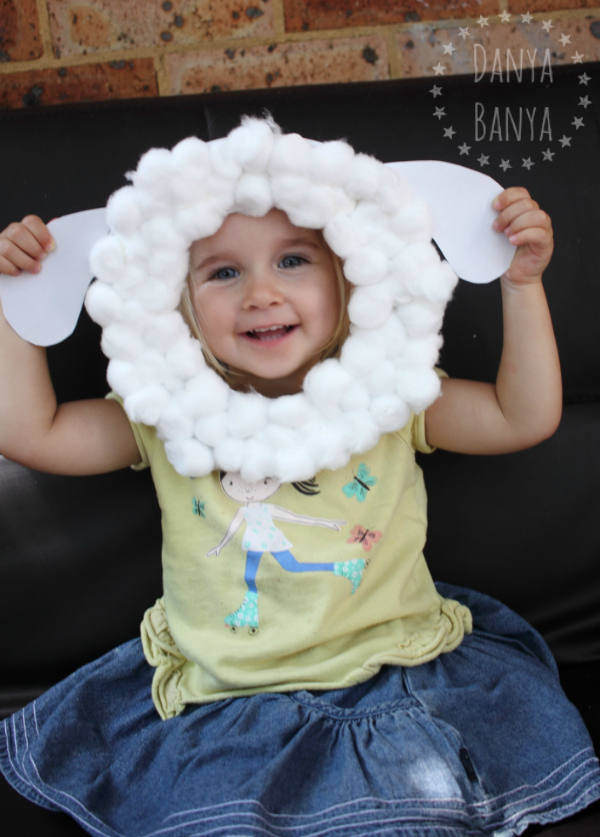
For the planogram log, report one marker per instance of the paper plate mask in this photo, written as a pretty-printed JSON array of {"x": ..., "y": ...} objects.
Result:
[{"x": 371, "y": 218}]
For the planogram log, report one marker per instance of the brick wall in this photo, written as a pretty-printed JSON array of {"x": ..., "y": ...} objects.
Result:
[{"x": 54, "y": 51}]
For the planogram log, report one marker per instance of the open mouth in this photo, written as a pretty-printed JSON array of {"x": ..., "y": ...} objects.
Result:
[{"x": 268, "y": 335}]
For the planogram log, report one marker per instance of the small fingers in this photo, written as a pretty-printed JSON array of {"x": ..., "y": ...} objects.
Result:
[{"x": 24, "y": 245}]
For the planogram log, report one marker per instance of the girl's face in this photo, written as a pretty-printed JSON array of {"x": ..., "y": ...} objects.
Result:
[{"x": 265, "y": 295}]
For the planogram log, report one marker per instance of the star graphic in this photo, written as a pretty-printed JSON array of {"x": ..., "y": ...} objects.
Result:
[
  {"x": 483, "y": 160},
  {"x": 578, "y": 57},
  {"x": 439, "y": 112},
  {"x": 527, "y": 164},
  {"x": 449, "y": 48},
  {"x": 584, "y": 101},
  {"x": 464, "y": 148},
  {"x": 436, "y": 91},
  {"x": 463, "y": 32},
  {"x": 505, "y": 164},
  {"x": 577, "y": 122},
  {"x": 548, "y": 155},
  {"x": 505, "y": 17},
  {"x": 449, "y": 132},
  {"x": 583, "y": 79},
  {"x": 483, "y": 21},
  {"x": 547, "y": 25},
  {"x": 439, "y": 69},
  {"x": 526, "y": 18},
  {"x": 565, "y": 39},
  {"x": 565, "y": 141}
]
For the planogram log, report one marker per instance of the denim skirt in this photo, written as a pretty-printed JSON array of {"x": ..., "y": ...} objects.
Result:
[{"x": 481, "y": 741}]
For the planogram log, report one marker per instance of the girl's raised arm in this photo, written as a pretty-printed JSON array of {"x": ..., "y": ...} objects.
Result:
[
  {"x": 524, "y": 406},
  {"x": 81, "y": 437}
]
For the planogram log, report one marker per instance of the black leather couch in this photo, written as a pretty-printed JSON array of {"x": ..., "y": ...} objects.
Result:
[{"x": 80, "y": 557}]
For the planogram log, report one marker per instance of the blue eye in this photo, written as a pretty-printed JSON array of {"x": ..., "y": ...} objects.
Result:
[
  {"x": 292, "y": 261},
  {"x": 224, "y": 273}
]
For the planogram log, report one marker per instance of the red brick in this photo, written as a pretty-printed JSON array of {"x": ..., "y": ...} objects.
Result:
[
  {"x": 524, "y": 6},
  {"x": 19, "y": 31},
  {"x": 280, "y": 65},
  {"x": 310, "y": 15},
  {"x": 82, "y": 83},
  {"x": 84, "y": 27},
  {"x": 420, "y": 50}
]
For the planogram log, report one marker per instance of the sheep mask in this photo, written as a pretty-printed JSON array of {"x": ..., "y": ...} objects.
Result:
[{"x": 370, "y": 218}]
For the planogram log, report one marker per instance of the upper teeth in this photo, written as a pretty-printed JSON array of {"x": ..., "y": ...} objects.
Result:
[{"x": 270, "y": 328}]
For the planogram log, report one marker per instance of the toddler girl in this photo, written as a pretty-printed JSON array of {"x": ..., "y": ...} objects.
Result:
[{"x": 308, "y": 677}]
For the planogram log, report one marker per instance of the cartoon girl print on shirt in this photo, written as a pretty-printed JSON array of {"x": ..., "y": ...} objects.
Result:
[{"x": 261, "y": 535}]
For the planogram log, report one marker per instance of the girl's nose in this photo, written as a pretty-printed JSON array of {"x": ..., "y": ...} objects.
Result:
[{"x": 262, "y": 289}]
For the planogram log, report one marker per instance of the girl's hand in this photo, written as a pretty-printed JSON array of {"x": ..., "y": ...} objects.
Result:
[
  {"x": 24, "y": 245},
  {"x": 530, "y": 229}
]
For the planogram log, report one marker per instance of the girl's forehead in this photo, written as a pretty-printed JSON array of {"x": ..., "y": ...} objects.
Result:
[{"x": 239, "y": 228}]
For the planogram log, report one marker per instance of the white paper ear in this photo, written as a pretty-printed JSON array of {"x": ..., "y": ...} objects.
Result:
[
  {"x": 44, "y": 308},
  {"x": 460, "y": 203}
]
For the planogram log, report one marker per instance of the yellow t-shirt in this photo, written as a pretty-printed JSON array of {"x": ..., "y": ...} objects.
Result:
[{"x": 314, "y": 586}]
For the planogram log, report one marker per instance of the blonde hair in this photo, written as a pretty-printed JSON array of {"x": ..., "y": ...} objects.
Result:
[{"x": 331, "y": 349}]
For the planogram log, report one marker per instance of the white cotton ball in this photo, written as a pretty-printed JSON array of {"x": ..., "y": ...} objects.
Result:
[
  {"x": 314, "y": 211},
  {"x": 288, "y": 410},
  {"x": 152, "y": 366},
  {"x": 327, "y": 445},
  {"x": 356, "y": 399},
  {"x": 394, "y": 193},
  {"x": 361, "y": 431},
  {"x": 251, "y": 143},
  {"x": 185, "y": 359},
  {"x": 371, "y": 306},
  {"x": 191, "y": 153},
  {"x": 278, "y": 436},
  {"x": 411, "y": 262},
  {"x": 421, "y": 318},
  {"x": 123, "y": 378},
  {"x": 258, "y": 461},
  {"x": 422, "y": 352},
  {"x": 247, "y": 414},
  {"x": 107, "y": 258},
  {"x": 330, "y": 162},
  {"x": 380, "y": 380},
  {"x": 438, "y": 282},
  {"x": 365, "y": 177},
  {"x": 294, "y": 464},
  {"x": 289, "y": 191},
  {"x": 326, "y": 383},
  {"x": 206, "y": 394},
  {"x": 229, "y": 455},
  {"x": 190, "y": 458},
  {"x": 121, "y": 341},
  {"x": 343, "y": 204},
  {"x": 394, "y": 336},
  {"x": 343, "y": 235},
  {"x": 291, "y": 154},
  {"x": 220, "y": 193},
  {"x": 253, "y": 195},
  {"x": 146, "y": 405},
  {"x": 173, "y": 424},
  {"x": 359, "y": 357},
  {"x": 365, "y": 266},
  {"x": 212, "y": 431},
  {"x": 389, "y": 412},
  {"x": 413, "y": 223},
  {"x": 367, "y": 215},
  {"x": 222, "y": 163},
  {"x": 131, "y": 278},
  {"x": 154, "y": 296},
  {"x": 388, "y": 243},
  {"x": 166, "y": 330},
  {"x": 419, "y": 387},
  {"x": 103, "y": 304},
  {"x": 154, "y": 172},
  {"x": 123, "y": 212},
  {"x": 199, "y": 221}
]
